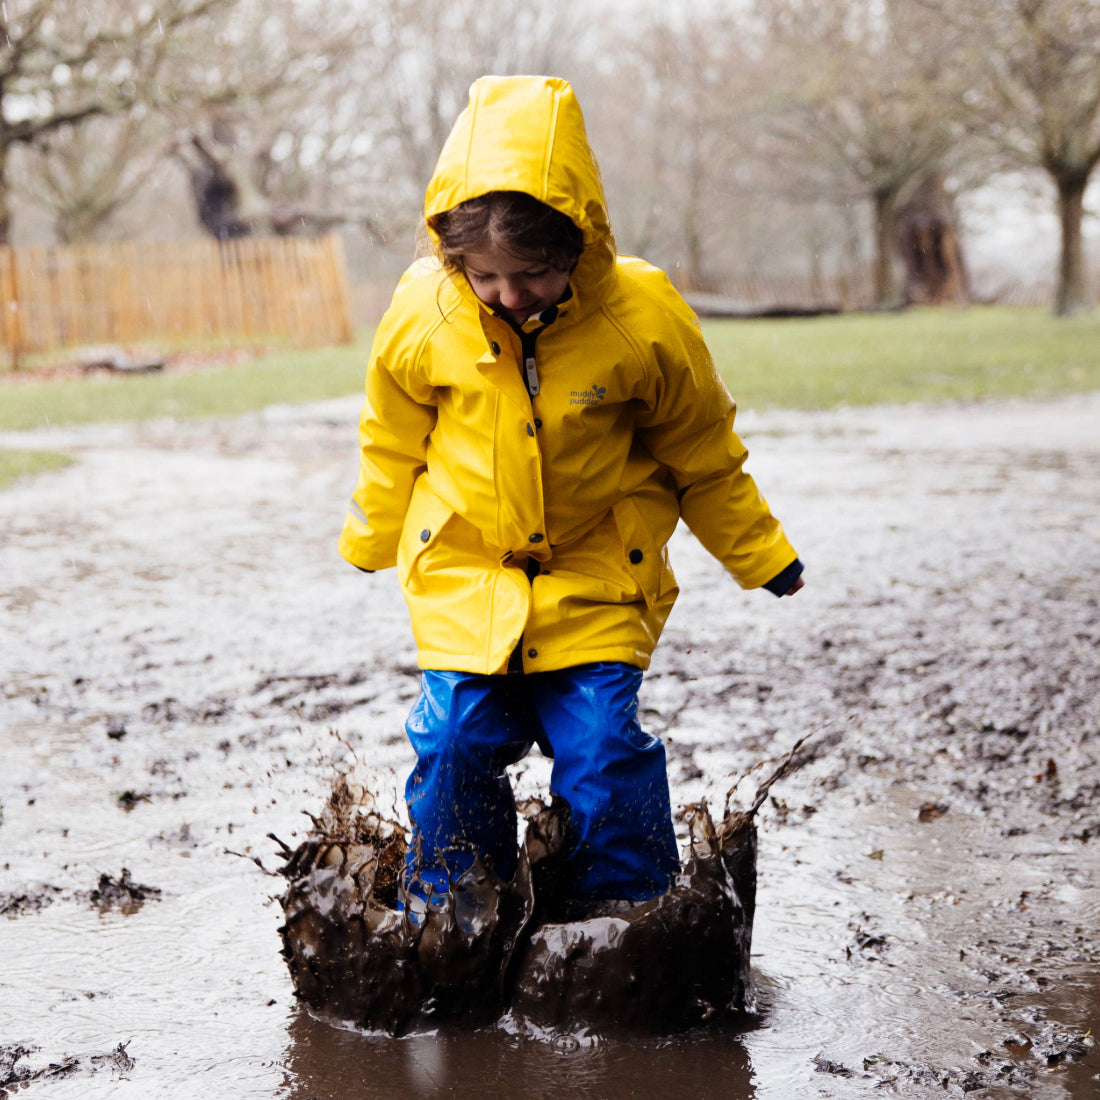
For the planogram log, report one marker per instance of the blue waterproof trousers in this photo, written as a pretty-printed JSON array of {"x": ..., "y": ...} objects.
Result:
[{"x": 466, "y": 729}]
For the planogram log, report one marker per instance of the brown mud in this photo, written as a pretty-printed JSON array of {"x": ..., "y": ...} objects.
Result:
[
  {"x": 353, "y": 956},
  {"x": 486, "y": 946},
  {"x": 185, "y": 662},
  {"x": 676, "y": 962}
]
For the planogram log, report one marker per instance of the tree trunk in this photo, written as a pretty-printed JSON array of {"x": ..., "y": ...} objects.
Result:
[
  {"x": 692, "y": 276},
  {"x": 935, "y": 273},
  {"x": 694, "y": 221},
  {"x": 1073, "y": 295},
  {"x": 5, "y": 200},
  {"x": 886, "y": 201},
  {"x": 12, "y": 329}
]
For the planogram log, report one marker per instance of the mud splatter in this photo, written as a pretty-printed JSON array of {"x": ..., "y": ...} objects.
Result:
[
  {"x": 15, "y": 1076},
  {"x": 672, "y": 963},
  {"x": 33, "y": 900},
  {"x": 486, "y": 946},
  {"x": 121, "y": 893},
  {"x": 352, "y": 955}
]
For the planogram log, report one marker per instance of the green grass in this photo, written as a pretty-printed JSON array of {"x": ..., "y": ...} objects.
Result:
[
  {"x": 926, "y": 355},
  {"x": 285, "y": 376},
  {"x": 929, "y": 355},
  {"x": 16, "y": 464}
]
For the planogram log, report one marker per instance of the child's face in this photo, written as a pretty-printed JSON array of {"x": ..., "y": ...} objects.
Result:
[{"x": 514, "y": 286}]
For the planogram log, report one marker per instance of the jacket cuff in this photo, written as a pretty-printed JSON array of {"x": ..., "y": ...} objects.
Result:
[{"x": 780, "y": 584}]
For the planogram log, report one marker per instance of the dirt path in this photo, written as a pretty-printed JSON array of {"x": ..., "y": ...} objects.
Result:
[{"x": 184, "y": 657}]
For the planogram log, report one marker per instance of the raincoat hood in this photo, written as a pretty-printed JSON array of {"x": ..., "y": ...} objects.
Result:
[{"x": 526, "y": 133}]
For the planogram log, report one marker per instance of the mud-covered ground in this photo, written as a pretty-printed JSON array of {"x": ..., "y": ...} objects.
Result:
[{"x": 185, "y": 660}]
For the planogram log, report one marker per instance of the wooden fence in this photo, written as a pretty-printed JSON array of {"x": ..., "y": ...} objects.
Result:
[{"x": 290, "y": 288}]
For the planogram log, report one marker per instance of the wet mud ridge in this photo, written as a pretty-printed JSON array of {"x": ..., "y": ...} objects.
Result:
[
  {"x": 121, "y": 893},
  {"x": 15, "y": 1074},
  {"x": 488, "y": 946}
]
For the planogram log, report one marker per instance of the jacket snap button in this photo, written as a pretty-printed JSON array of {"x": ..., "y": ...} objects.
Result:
[
  {"x": 425, "y": 535},
  {"x": 496, "y": 347},
  {"x": 535, "y": 538},
  {"x": 538, "y": 423},
  {"x": 635, "y": 556},
  {"x": 532, "y": 653},
  {"x": 530, "y": 430}
]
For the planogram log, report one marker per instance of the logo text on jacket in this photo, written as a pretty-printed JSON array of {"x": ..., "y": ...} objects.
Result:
[{"x": 592, "y": 396}]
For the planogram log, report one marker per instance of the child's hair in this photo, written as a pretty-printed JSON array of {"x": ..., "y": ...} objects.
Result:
[{"x": 512, "y": 221}]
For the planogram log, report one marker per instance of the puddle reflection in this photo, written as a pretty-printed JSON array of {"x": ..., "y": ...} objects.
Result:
[{"x": 325, "y": 1063}]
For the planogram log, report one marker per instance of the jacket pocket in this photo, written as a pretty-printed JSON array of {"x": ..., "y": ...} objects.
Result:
[
  {"x": 646, "y": 557},
  {"x": 421, "y": 534}
]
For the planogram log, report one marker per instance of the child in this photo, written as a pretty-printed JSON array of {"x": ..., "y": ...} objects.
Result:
[{"x": 539, "y": 415}]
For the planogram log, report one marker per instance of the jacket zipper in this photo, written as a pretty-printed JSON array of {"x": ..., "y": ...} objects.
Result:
[
  {"x": 531, "y": 380},
  {"x": 530, "y": 370},
  {"x": 527, "y": 340}
]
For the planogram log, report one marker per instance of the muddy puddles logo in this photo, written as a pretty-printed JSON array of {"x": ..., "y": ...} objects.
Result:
[{"x": 591, "y": 396}]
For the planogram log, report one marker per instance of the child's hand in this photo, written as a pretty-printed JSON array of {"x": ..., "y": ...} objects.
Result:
[{"x": 800, "y": 583}]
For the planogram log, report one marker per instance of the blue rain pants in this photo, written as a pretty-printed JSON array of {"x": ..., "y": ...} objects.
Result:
[{"x": 467, "y": 728}]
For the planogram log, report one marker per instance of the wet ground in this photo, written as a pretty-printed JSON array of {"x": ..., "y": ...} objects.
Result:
[{"x": 185, "y": 662}]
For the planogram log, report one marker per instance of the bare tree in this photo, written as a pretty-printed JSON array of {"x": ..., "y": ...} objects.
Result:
[
  {"x": 291, "y": 117},
  {"x": 253, "y": 120},
  {"x": 927, "y": 223},
  {"x": 854, "y": 113},
  {"x": 83, "y": 174},
  {"x": 233, "y": 98},
  {"x": 427, "y": 53},
  {"x": 1030, "y": 85},
  {"x": 335, "y": 112},
  {"x": 64, "y": 63},
  {"x": 670, "y": 113}
]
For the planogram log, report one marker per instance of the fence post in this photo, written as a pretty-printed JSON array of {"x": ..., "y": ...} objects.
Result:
[
  {"x": 339, "y": 270},
  {"x": 13, "y": 315}
]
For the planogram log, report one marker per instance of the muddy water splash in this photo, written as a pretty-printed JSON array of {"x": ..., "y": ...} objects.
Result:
[
  {"x": 486, "y": 946},
  {"x": 668, "y": 964},
  {"x": 352, "y": 954}
]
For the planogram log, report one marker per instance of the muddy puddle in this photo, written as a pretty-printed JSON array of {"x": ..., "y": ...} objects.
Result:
[{"x": 185, "y": 666}]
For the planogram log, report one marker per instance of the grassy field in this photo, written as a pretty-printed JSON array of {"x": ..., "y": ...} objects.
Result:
[
  {"x": 280, "y": 377},
  {"x": 927, "y": 355},
  {"x": 15, "y": 464},
  {"x": 814, "y": 363}
]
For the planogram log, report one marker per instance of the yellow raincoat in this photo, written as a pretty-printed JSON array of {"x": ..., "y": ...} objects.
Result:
[{"x": 465, "y": 477}]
